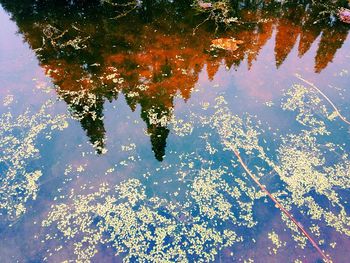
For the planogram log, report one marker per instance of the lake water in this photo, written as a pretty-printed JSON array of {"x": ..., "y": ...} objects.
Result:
[{"x": 133, "y": 138}]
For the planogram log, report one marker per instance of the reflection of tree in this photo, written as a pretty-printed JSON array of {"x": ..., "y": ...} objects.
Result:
[
  {"x": 151, "y": 56},
  {"x": 330, "y": 42},
  {"x": 158, "y": 135},
  {"x": 286, "y": 38},
  {"x": 308, "y": 34},
  {"x": 92, "y": 120}
]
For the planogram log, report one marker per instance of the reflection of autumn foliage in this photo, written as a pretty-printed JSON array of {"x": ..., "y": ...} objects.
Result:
[
  {"x": 307, "y": 37},
  {"x": 286, "y": 37},
  {"x": 156, "y": 70},
  {"x": 152, "y": 56},
  {"x": 330, "y": 42},
  {"x": 258, "y": 40},
  {"x": 159, "y": 67}
]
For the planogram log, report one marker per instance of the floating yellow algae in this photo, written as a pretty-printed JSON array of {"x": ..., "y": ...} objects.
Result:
[
  {"x": 18, "y": 135},
  {"x": 142, "y": 228},
  {"x": 203, "y": 214},
  {"x": 336, "y": 112},
  {"x": 180, "y": 127},
  {"x": 273, "y": 236},
  {"x": 8, "y": 100}
]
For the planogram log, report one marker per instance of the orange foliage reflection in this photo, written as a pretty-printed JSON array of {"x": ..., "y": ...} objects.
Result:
[{"x": 93, "y": 59}]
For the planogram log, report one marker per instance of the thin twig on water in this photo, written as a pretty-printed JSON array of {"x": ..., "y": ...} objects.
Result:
[
  {"x": 325, "y": 97},
  {"x": 280, "y": 206}
]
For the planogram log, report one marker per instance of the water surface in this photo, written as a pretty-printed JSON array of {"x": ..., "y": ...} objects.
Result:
[{"x": 117, "y": 136}]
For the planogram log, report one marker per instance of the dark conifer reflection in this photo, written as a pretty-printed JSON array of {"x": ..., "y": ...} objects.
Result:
[{"x": 151, "y": 55}]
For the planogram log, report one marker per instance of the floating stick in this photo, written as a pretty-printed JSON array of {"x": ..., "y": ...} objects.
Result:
[
  {"x": 280, "y": 206},
  {"x": 324, "y": 96}
]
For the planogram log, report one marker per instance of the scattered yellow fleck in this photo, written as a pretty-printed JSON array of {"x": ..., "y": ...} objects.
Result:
[
  {"x": 80, "y": 168},
  {"x": 273, "y": 236},
  {"x": 19, "y": 182},
  {"x": 8, "y": 100}
]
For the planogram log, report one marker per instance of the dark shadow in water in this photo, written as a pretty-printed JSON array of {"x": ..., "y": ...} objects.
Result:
[{"x": 151, "y": 54}]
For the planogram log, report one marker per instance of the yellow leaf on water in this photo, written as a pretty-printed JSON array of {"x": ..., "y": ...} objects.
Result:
[{"x": 230, "y": 44}]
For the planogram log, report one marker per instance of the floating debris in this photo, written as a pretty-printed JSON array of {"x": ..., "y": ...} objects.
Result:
[
  {"x": 229, "y": 44},
  {"x": 344, "y": 15},
  {"x": 205, "y": 5}
]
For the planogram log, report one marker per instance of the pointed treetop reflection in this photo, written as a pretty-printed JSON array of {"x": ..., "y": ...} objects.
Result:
[{"x": 151, "y": 55}]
